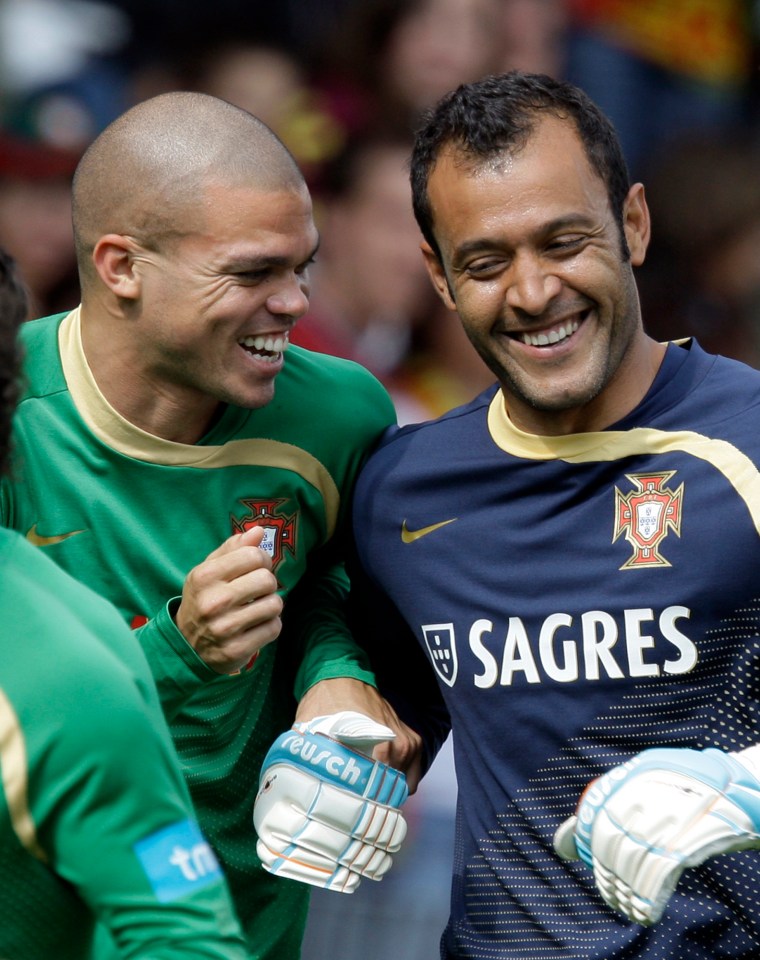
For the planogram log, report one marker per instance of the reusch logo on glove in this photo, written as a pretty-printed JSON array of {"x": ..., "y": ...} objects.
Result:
[
  {"x": 340, "y": 766},
  {"x": 333, "y": 762}
]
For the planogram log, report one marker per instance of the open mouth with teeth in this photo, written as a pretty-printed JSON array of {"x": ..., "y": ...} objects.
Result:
[
  {"x": 266, "y": 347},
  {"x": 548, "y": 338}
]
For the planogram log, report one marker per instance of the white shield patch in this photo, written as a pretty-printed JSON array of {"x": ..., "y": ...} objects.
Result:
[{"x": 441, "y": 644}]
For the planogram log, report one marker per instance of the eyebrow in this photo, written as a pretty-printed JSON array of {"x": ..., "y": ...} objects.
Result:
[
  {"x": 242, "y": 263},
  {"x": 565, "y": 222}
]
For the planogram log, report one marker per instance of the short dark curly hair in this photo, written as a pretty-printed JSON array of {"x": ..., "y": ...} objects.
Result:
[
  {"x": 13, "y": 312},
  {"x": 497, "y": 115}
]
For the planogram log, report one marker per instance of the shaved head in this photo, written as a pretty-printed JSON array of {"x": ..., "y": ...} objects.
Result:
[{"x": 145, "y": 175}]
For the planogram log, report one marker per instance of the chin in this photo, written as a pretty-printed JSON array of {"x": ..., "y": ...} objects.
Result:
[{"x": 253, "y": 400}]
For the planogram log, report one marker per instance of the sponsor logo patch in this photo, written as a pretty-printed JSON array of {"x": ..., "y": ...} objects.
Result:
[{"x": 177, "y": 860}]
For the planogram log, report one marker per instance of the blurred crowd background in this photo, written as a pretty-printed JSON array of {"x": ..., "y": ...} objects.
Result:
[{"x": 343, "y": 82}]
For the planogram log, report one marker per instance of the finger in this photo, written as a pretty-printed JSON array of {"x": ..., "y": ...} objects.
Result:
[
  {"x": 252, "y": 537},
  {"x": 238, "y": 653},
  {"x": 403, "y": 753},
  {"x": 237, "y": 623},
  {"x": 247, "y": 588}
]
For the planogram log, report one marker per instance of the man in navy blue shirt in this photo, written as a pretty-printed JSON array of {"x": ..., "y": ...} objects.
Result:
[{"x": 563, "y": 572}]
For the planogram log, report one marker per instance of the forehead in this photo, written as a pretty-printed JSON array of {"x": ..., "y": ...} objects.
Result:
[
  {"x": 276, "y": 222},
  {"x": 549, "y": 176}
]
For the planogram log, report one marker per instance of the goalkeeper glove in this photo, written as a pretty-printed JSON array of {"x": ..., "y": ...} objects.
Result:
[
  {"x": 641, "y": 824},
  {"x": 326, "y": 812}
]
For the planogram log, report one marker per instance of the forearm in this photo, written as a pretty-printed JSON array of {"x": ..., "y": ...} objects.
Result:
[
  {"x": 178, "y": 671},
  {"x": 315, "y": 615}
]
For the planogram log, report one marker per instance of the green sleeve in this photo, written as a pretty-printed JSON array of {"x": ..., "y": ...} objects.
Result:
[
  {"x": 116, "y": 822},
  {"x": 177, "y": 669},
  {"x": 327, "y": 645}
]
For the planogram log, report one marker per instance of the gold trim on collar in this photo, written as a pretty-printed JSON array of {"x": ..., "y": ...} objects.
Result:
[
  {"x": 119, "y": 434},
  {"x": 608, "y": 445}
]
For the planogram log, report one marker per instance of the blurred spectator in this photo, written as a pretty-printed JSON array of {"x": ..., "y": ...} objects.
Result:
[
  {"x": 702, "y": 273},
  {"x": 442, "y": 370},
  {"x": 62, "y": 79},
  {"x": 266, "y": 79},
  {"x": 161, "y": 27},
  {"x": 369, "y": 284},
  {"x": 35, "y": 220},
  {"x": 389, "y": 59},
  {"x": 659, "y": 68},
  {"x": 533, "y": 34}
]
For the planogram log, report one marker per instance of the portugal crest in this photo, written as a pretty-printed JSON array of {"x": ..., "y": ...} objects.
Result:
[
  {"x": 279, "y": 530},
  {"x": 441, "y": 645},
  {"x": 646, "y": 515}
]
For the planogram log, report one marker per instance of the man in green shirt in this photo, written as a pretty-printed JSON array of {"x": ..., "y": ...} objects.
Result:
[
  {"x": 169, "y": 456},
  {"x": 95, "y": 817}
]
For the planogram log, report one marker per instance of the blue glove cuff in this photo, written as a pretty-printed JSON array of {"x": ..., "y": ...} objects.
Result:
[{"x": 339, "y": 765}]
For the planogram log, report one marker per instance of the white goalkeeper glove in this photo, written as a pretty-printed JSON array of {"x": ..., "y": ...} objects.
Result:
[
  {"x": 644, "y": 822},
  {"x": 326, "y": 812}
]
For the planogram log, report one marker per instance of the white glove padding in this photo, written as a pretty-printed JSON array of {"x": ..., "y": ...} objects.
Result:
[
  {"x": 326, "y": 813},
  {"x": 644, "y": 822}
]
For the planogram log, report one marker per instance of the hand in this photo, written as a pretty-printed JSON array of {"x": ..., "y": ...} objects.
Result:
[
  {"x": 403, "y": 751},
  {"x": 326, "y": 813},
  {"x": 644, "y": 822},
  {"x": 230, "y": 608}
]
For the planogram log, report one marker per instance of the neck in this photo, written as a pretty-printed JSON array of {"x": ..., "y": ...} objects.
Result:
[
  {"x": 625, "y": 391},
  {"x": 168, "y": 411}
]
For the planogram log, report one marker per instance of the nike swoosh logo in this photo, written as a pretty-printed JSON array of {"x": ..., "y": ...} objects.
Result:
[
  {"x": 409, "y": 536},
  {"x": 38, "y": 541}
]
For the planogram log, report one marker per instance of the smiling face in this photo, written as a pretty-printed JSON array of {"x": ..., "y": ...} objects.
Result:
[
  {"x": 532, "y": 258},
  {"x": 217, "y": 303}
]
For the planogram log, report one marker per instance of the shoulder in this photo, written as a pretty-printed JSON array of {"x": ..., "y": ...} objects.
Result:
[
  {"x": 40, "y": 332},
  {"x": 309, "y": 368},
  {"x": 338, "y": 393},
  {"x": 445, "y": 435},
  {"x": 69, "y": 629},
  {"x": 721, "y": 387},
  {"x": 42, "y": 362},
  {"x": 420, "y": 454}
]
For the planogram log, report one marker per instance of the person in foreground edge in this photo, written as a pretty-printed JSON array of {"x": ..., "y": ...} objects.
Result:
[
  {"x": 168, "y": 455},
  {"x": 564, "y": 571},
  {"x": 95, "y": 817}
]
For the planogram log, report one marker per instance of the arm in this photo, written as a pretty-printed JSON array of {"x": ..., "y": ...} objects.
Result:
[
  {"x": 333, "y": 823},
  {"x": 115, "y": 821},
  {"x": 403, "y": 674},
  {"x": 228, "y": 611},
  {"x": 643, "y": 823},
  {"x": 334, "y": 673}
]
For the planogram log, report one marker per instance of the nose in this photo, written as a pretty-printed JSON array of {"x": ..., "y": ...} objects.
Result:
[
  {"x": 531, "y": 286},
  {"x": 291, "y": 297}
]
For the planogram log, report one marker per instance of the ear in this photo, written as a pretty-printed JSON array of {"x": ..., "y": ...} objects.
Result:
[
  {"x": 437, "y": 275},
  {"x": 636, "y": 223},
  {"x": 114, "y": 261}
]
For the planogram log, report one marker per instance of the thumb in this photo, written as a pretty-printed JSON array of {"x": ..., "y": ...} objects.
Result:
[
  {"x": 350, "y": 728},
  {"x": 564, "y": 840},
  {"x": 252, "y": 537}
]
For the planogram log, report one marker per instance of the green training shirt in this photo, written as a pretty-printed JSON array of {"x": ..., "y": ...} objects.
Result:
[
  {"x": 95, "y": 818},
  {"x": 130, "y": 514}
]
